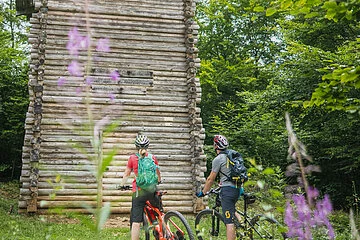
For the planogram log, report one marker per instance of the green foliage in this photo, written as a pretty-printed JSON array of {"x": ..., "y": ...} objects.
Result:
[
  {"x": 268, "y": 186},
  {"x": 13, "y": 90},
  {"x": 340, "y": 88},
  {"x": 311, "y": 72},
  {"x": 331, "y": 10},
  {"x": 328, "y": 25}
]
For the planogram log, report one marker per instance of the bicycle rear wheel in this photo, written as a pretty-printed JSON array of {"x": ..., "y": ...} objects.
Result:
[
  {"x": 265, "y": 228},
  {"x": 178, "y": 226},
  {"x": 209, "y": 225}
]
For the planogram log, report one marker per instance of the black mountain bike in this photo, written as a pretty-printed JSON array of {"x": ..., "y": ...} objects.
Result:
[{"x": 209, "y": 223}]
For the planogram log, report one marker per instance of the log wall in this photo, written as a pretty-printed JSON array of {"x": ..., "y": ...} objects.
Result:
[{"x": 153, "y": 48}]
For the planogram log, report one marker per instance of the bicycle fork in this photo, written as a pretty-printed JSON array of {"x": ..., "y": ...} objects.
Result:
[{"x": 215, "y": 225}]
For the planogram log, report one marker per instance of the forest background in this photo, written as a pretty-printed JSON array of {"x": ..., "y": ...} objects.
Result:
[{"x": 258, "y": 61}]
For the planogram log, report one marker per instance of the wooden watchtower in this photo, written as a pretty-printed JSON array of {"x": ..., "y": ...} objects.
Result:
[{"x": 157, "y": 94}]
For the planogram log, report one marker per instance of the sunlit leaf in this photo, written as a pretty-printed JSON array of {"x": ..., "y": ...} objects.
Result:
[
  {"x": 259, "y": 9},
  {"x": 269, "y": 171},
  {"x": 270, "y": 12},
  {"x": 286, "y": 4}
]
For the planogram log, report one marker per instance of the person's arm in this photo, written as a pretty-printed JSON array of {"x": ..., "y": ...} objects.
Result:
[
  {"x": 158, "y": 174},
  {"x": 209, "y": 182},
  {"x": 157, "y": 169},
  {"x": 127, "y": 173}
]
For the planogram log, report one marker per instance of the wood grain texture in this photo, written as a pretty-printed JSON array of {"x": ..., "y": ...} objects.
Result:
[{"x": 153, "y": 47}]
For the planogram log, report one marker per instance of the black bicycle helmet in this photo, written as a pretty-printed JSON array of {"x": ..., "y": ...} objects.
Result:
[
  {"x": 220, "y": 142},
  {"x": 142, "y": 141}
]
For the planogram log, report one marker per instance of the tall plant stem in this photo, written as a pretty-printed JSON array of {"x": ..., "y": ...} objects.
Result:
[{"x": 295, "y": 143}]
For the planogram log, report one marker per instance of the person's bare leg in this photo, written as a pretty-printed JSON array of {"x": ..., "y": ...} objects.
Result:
[
  {"x": 135, "y": 231},
  {"x": 230, "y": 232}
]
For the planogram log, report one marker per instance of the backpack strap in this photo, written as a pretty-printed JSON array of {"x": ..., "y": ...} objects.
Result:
[
  {"x": 227, "y": 164},
  {"x": 227, "y": 152}
]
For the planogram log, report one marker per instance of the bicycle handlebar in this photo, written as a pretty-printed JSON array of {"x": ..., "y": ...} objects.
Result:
[
  {"x": 213, "y": 191},
  {"x": 128, "y": 187},
  {"x": 124, "y": 187}
]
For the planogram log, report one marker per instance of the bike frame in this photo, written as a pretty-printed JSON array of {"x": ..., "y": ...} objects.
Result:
[
  {"x": 215, "y": 225},
  {"x": 151, "y": 213},
  {"x": 247, "y": 225}
]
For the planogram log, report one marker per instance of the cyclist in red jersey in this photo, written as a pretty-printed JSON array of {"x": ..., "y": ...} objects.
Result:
[{"x": 139, "y": 196}]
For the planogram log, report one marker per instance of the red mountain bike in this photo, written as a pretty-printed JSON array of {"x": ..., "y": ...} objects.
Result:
[{"x": 163, "y": 226}]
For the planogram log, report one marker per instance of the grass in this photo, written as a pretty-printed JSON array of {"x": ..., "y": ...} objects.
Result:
[
  {"x": 17, "y": 226},
  {"x": 14, "y": 226}
]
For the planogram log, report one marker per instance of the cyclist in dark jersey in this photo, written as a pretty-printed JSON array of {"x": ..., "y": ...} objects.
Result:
[{"x": 229, "y": 193}]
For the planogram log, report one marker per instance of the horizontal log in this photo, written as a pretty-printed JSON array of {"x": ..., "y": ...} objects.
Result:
[
  {"x": 103, "y": 78},
  {"x": 96, "y": 10},
  {"x": 173, "y": 5},
  {"x": 125, "y": 137},
  {"x": 60, "y": 52},
  {"x": 159, "y": 77},
  {"x": 167, "y": 197},
  {"x": 68, "y": 198},
  {"x": 137, "y": 102},
  {"x": 56, "y": 71},
  {"x": 50, "y": 158},
  {"x": 114, "y": 210}
]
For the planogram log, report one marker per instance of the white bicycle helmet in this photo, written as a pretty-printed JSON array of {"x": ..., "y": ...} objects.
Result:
[
  {"x": 142, "y": 141},
  {"x": 220, "y": 142}
]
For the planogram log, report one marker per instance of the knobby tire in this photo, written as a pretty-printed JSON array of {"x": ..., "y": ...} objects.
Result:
[
  {"x": 209, "y": 224},
  {"x": 266, "y": 228},
  {"x": 180, "y": 221}
]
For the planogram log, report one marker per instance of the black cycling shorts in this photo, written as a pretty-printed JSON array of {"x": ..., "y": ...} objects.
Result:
[
  {"x": 138, "y": 204},
  {"x": 229, "y": 196}
]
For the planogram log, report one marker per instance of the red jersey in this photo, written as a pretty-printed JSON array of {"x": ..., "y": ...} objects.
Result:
[{"x": 133, "y": 165}]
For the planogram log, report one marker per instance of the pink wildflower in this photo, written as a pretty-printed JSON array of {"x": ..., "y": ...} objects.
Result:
[
  {"x": 76, "y": 42},
  {"x": 103, "y": 45},
  {"x": 312, "y": 193},
  {"x": 301, "y": 222},
  {"x": 85, "y": 42},
  {"x": 89, "y": 81},
  {"x": 74, "y": 39},
  {"x": 74, "y": 68},
  {"x": 78, "y": 90},
  {"x": 114, "y": 75},
  {"x": 112, "y": 97},
  {"x": 61, "y": 81}
]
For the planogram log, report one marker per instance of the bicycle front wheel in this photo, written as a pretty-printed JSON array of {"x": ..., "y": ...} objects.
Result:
[
  {"x": 264, "y": 227},
  {"x": 144, "y": 232},
  {"x": 209, "y": 225},
  {"x": 177, "y": 227}
]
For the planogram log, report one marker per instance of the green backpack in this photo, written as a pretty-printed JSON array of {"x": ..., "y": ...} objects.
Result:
[{"x": 147, "y": 178}]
